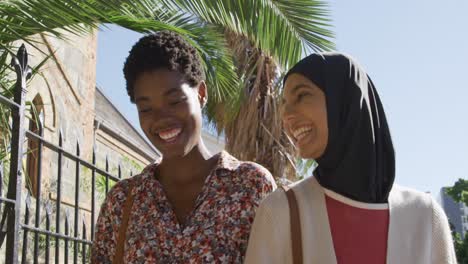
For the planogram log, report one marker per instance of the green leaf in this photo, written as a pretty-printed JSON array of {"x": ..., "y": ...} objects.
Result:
[
  {"x": 20, "y": 19},
  {"x": 284, "y": 29},
  {"x": 459, "y": 191}
]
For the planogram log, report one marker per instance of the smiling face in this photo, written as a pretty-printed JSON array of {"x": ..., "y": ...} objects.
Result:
[
  {"x": 304, "y": 115},
  {"x": 169, "y": 110}
]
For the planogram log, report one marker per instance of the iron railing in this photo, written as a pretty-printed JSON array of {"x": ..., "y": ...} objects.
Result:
[{"x": 15, "y": 220}]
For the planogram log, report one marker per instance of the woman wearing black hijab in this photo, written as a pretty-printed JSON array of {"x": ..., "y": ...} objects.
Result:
[{"x": 349, "y": 211}]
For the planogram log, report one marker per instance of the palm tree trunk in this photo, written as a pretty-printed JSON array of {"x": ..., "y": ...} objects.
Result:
[{"x": 255, "y": 133}]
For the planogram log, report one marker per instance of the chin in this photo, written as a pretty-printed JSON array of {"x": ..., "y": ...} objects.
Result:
[
  {"x": 179, "y": 152},
  {"x": 171, "y": 153},
  {"x": 308, "y": 154},
  {"x": 303, "y": 154}
]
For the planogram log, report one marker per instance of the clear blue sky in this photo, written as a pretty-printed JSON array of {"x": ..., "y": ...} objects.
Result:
[{"x": 416, "y": 52}]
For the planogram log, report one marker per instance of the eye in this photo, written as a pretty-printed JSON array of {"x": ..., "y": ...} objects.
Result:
[
  {"x": 301, "y": 95},
  {"x": 178, "y": 101},
  {"x": 144, "y": 110}
]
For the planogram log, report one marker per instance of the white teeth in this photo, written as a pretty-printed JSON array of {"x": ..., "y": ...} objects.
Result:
[
  {"x": 170, "y": 134},
  {"x": 301, "y": 132}
]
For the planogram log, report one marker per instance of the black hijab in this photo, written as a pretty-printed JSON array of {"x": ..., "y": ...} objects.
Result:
[{"x": 359, "y": 161}]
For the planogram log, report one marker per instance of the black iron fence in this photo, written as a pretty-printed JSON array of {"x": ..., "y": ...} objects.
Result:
[{"x": 44, "y": 241}]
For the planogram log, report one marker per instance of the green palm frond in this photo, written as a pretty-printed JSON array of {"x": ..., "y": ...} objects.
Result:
[
  {"x": 305, "y": 167},
  {"x": 279, "y": 32},
  {"x": 284, "y": 29},
  {"x": 20, "y": 19},
  {"x": 208, "y": 39}
]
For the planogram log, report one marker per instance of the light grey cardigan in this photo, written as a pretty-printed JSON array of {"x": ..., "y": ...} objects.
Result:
[{"x": 418, "y": 233}]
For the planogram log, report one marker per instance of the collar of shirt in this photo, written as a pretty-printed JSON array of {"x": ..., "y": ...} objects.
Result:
[{"x": 225, "y": 162}]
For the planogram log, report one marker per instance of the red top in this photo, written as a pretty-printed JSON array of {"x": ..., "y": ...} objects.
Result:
[{"x": 359, "y": 230}]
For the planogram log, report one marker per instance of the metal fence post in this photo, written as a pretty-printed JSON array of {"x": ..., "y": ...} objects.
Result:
[{"x": 23, "y": 73}]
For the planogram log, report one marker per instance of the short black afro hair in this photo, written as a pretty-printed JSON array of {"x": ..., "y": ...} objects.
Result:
[{"x": 162, "y": 49}]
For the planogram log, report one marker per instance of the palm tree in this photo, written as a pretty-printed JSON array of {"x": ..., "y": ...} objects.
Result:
[
  {"x": 265, "y": 37},
  {"x": 245, "y": 46},
  {"x": 21, "y": 20}
]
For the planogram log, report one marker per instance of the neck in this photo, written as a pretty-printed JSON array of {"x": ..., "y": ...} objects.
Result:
[{"x": 186, "y": 169}]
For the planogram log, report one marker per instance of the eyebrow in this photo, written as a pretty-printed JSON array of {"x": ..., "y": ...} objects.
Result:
[
  {"x": 166, "y": 93},
  {"x": 299, "y": 86},
  {"x": 171, "y": 91},
  {"x": 142, "y": 98}
]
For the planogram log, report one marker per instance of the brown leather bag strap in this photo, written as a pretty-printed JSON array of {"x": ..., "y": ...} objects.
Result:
[
  {"x": 296, "y": 234},
  {"x": 119, "y": 248}
]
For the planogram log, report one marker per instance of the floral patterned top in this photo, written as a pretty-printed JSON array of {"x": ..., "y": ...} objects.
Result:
[{"x": 216, "y": 231}]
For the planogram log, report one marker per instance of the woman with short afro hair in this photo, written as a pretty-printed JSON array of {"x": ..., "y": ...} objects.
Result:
[{"x": 191, "y": 206}]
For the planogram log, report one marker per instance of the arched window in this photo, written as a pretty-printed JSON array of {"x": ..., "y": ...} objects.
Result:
[{"x": 32, "y": 162}]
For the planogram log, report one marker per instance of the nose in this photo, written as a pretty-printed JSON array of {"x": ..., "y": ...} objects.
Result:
[
  {"x": 161, "y": 113},
  {"x": 155, "y": 116},
  {"x": 287, "y": 114}
]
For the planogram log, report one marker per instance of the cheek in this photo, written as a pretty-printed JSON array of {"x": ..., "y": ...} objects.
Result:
[
  {"x": 317, "y": 111},
  {"x": 311, "y": 112},
  {"x": 322, "y": 123},
  {"x": 194, "y": 109},
  {"x": 317, "y": 115},
  {"x": 322, "y": 120},
  {"x": 194, "y": 115},
  {"x": 144, "y": 121},
  {"x": 196, "y": 118},
  {"x": 145, "y": 125}
]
